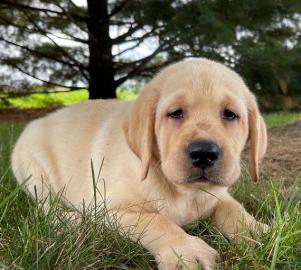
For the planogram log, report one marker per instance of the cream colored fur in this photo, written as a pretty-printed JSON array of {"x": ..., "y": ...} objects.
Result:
[{"x": 143, "y": 161}]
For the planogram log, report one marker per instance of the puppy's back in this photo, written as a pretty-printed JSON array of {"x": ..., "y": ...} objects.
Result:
[{"x": 52, "y": 147}]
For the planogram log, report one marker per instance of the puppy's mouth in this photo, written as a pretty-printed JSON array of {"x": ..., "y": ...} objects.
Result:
[{"x": 203, "y": 178}]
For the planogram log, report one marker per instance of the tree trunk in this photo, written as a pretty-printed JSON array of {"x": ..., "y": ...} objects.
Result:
[
  {"x": 287, "y": 103},
  {"x": 286, "y": 100},
  {"x": 101, "y": 81}
]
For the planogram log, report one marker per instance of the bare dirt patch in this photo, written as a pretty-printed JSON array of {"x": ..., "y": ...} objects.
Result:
[
  {"x": 23, "y": 114},
  {"x": 283, "y": 158}
]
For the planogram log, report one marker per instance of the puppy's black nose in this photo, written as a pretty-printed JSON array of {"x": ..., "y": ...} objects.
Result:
[{"x": 203, "y": 153}]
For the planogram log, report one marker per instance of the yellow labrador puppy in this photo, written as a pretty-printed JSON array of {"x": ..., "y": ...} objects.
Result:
[{"x": 169, "y": 157}]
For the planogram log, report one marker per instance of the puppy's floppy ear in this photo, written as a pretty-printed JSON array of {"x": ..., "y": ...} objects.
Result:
[
  {"x": 139, "y": 127},
  {"x": 257, "y": 137}
]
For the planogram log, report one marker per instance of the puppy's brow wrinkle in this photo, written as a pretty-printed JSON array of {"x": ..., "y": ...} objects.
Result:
[{"x": 204, "y": 126}]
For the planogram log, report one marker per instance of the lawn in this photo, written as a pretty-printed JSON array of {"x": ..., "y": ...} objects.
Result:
[
  {"x": 280, "y": 118},
  {"x": 58, "y": 97},
  {"x": 32, "y": 239}
]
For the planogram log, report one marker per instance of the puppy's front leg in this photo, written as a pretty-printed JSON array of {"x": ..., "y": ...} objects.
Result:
[
  {"x": 163, "y": 239},
  {"x": 232, "y": 218}
]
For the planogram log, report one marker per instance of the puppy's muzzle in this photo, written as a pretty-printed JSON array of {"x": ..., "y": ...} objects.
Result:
[{"x": 203, "y": 153}]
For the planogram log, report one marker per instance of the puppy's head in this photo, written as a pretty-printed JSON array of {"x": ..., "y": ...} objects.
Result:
[{"x": 194, "y": 119}]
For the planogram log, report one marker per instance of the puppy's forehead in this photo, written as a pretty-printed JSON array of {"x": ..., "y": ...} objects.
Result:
[{"x": 201, "y": 77}]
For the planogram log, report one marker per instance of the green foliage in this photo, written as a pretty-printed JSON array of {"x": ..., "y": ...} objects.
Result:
[{"x": 260, "y": 39}]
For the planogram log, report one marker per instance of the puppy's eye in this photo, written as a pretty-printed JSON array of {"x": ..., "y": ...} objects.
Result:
[
  {"x": 229, "y": 115},
  {"x": 178, "y": 114}
]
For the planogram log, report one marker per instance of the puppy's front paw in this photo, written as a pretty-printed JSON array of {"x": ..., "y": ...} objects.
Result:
[
  {"x": 258, "y": 227},
  {"x": 249, "y": 232},
  {"x": 189, "y": 252}
]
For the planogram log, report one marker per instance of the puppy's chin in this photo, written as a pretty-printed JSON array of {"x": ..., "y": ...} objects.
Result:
[
  {"x": 199, "y": 181},
  {"x": 214, "y": 177}
]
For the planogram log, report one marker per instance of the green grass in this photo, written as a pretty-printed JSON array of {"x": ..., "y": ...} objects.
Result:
[
  {"x": 42, "y": 100},
  {"x": 33, "y": 239},
  {"x": 280, "y": 118},
  {"x": 48, "y": 100}
]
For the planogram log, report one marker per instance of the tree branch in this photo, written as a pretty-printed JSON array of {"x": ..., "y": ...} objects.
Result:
[
  {"x": 121, "y": 23},
  {"x": 45, "y": 81},
  {"x": 121, "y": 38},
  {"x": 72, "y": 38},
  {"x": 37, "y": 52},
  {"x": 139, "y": 41},
  {"x": 72, "y": 18},
  {"x": 144, "y": 36},
  {"x": 143, "y": 62},
  {"x": 116, "y": 9},
  {"x": 22, "y": 6},
  {"x": 12, "y": 3},
  {"x": 78, "y": 64},
  {"x": 127, "y": 49}
]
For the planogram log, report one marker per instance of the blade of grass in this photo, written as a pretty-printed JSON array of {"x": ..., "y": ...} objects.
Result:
[
  {"x": 13, "y": 193},
  {"x": 280, "y": 224}
]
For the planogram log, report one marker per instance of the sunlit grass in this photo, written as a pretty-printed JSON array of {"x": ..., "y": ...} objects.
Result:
[
  {"x": 56, "y": 99},
  {"x": 126, "y": 94},
  {"x": 41, "y": 100}
]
